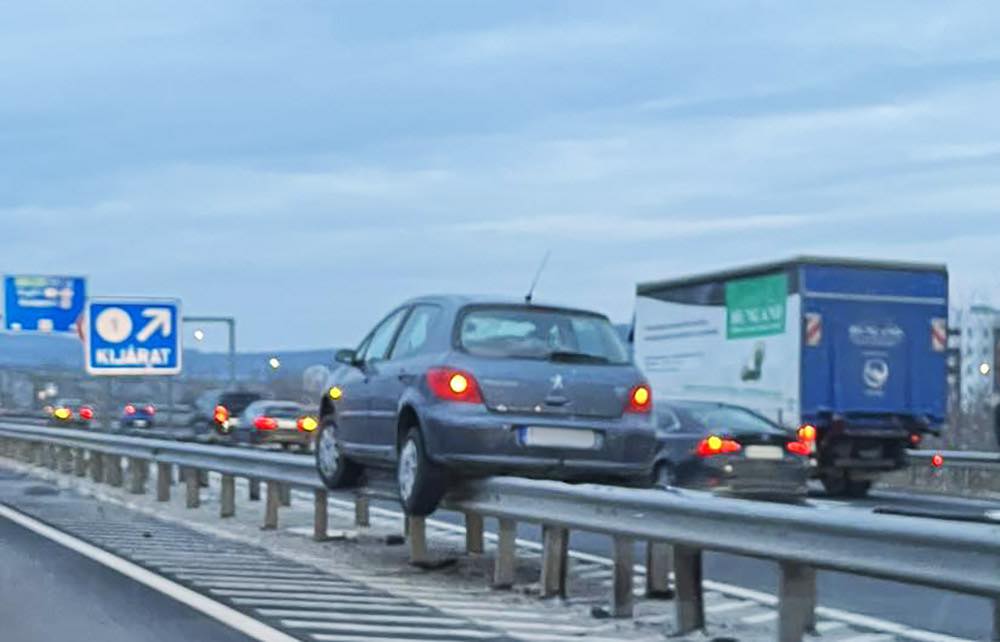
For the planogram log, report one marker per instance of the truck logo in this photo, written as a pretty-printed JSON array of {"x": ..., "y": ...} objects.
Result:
[
  {"x": 875, "y": 373},
  {"x": 870, "y": 335}
]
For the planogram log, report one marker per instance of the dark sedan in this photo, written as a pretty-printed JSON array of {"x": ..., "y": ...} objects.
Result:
[
  {"x": 728, "y": 448},
  {"x": 459, "y": 386},
  {"x": 137, "y": 415}
]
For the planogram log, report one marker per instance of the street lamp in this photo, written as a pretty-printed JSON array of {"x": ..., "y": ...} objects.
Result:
[
  {"x": 984, "y": 368},
  {"x": 274, "y": 362},
  {"x": 199, "y": 334}
]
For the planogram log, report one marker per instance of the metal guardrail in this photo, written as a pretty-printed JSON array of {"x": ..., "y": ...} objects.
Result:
[
  {"x": 957, "y": 458},
  {"x": 678, "y": 526}
]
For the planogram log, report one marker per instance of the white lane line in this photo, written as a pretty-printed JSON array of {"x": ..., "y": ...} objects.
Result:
[
  {"x": 877, "y": 624},
  {"x": 332, "y": 616},
  {"x": 872, "y": 637},
  {"x": 758, "y": 618},
  {"x": 829, "y": 625},
  {"x": 287, "y": 586},
  {"x": 725, "y": 607},
  {"x": 263, "y": 578},
  {"x": 313, "y": 596},
  {"x": 340, "y": 606},
  {"x": 438, "y": 633},
  {"x": 224, "y": 614},
  {"x": 264, "y": 573},
  {"x": 473, "y": 612}
]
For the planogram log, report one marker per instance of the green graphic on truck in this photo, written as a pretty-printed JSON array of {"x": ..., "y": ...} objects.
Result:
[{"x": 756, "y": 307}]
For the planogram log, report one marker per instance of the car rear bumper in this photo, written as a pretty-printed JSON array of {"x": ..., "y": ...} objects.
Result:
[
  {"x": 280, "y": 437},
  {"x": 786, "y": 478},
  {"x": 489, "y": 443}
]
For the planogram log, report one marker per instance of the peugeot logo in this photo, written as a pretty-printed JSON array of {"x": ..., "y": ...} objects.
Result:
[
  {"x": 875, "y": 373},
  {"x": 557, "y": 383}
]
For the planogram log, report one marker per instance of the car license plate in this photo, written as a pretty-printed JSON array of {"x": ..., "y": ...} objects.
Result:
[
  {"x": 764, "y": 452},
  {"x": 140, "y": 423},
  {"x": 558, "y": 437},
  {"x": 286, "y": 424}
]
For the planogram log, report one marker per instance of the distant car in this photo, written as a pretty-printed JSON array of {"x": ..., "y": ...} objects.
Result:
[
  {"x": 452, "y": 386},
  {"x": 217, "y": 412},
  {"x": 728, "y": 448},
  {"x": 277, "y": 422},
  {"x": 137, "y": 415},
  {"x": 71, "y": 412}
]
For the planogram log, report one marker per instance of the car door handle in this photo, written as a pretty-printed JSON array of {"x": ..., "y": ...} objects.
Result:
[{"x": 405, "y": 376}]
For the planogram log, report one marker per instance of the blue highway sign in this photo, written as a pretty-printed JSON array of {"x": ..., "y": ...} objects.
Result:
[
  {"x": 38, "y": 303},
  {"x": 133, "y": 337}
]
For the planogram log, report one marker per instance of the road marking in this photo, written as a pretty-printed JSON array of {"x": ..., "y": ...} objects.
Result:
[
  {"x": 760, "y": 617},
  {"x": 309, "y": 603},
  {"x": 328, "y": 616},
  {"x": 224, "y": 614},
  {"x": 870, "y": 637},
  {"x": 724, "y": 607},
  {"x": 438, "y": 633}
]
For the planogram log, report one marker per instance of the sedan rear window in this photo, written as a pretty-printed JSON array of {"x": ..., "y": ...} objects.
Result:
[
  {"x": 709, "y": 418},
  {"x": 540, "y": 333}
]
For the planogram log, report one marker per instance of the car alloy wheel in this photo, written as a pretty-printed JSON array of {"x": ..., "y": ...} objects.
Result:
[
  {"x": 329, "y": 453},
  {"x": 406, "y": 472}
]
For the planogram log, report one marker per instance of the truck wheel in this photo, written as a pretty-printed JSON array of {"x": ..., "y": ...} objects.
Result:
[
  {"x": 336, "y": 470},
  {"x": 835, "y": 484},
  {"x": 421, "y": 483},
  {"x": 858, "y": 488}
]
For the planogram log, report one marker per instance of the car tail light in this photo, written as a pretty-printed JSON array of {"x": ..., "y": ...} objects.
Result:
[
  {"x": 87, "y": 413},
  {"x": 937, "y": 461},
  {"x": 916, "y": 438},
  {"x": 307, "y": 424},
  {"x": 799, "y": 448},
  {"x": 221, "y": 414},
  {"x": 640, "y": 399},
  {"x": 62, "y": 413},
  {"x": 129, "y": 409},
  {"x": 453, "y": 385},
  {"x": 150, "y": 409},
  {"x": 714, "y": 445},
  {"x": 807, "y": 433},
  {"x": 265, "y": 423}
]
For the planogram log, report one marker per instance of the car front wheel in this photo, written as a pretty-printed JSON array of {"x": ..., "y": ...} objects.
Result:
[
  {"x": 421, "y": 483},
  {"x": 333, "y": 467}
]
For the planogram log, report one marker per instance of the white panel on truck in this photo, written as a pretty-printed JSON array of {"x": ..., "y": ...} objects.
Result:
[{"x": 745, "y": 352}]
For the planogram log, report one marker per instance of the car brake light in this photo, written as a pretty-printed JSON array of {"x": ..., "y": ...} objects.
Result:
[
  {"x": 453, "y": 385},
  {"x": 307, "y": 424},
  {"x": 221, "y": 415},
  {"x": 640, "y": 399},
  {"x": 265, "y": 423},
  {"x": 799, "y": 448},
  {"x": 937, "y": 461},
  {"x": 129, "y": 409},
  {"x": 62, "y": 413},
  {"x": 150, "y": 409},
  {"x": 807, "y": 433},
  {"x": 87, "y": 413},
  {"x": 916, "y": 438},
  {"x": 714, "y": 445}
]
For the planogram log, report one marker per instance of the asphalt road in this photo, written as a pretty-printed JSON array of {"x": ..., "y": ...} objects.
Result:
[{"x": 48, "y": 592}]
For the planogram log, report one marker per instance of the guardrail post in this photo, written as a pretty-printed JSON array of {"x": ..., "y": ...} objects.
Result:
[
  {"x": 271, "y": 505},
  {"x": 418, "y": 539},
  {"x": 622, "y": 601},
  {"x": 79, "y": 462},
  {"x": 192, "y": 478},
  {"x": 138, "y": 470},
  {"x": 996, "y": 619},
  {"x": 503, "y": 568},
  {"x": 228, "y": 496},
  {"x": 474, "y": 533},
  {"x": 362, "y": 512},
  {"x": 286, "y": 494},
  {"x": 796, "y": 601},
  {"x": 253, "y": 486},
  {"x": 658, "y": 570},
  {"x": 320, "y": 517},
  {"x": 113, "y": 473},
  {"x": 687, "y": 581},
  {"x": 96, "y": 466},
  {"x": 65, "y": 459},
  {"x": 555, "y": 541},
  {"x": 51, "y": 456},
  {"x": 164, "y": 477}
]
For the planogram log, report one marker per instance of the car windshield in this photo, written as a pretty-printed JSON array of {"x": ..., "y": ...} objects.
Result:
[
  {"x": 709, "y": 418},
  {"x": 540, "y": 333},
  {"x": 69, "y": 402},
  {"x": 283, "y": 411},
  {"x": 237, "y": 402}
]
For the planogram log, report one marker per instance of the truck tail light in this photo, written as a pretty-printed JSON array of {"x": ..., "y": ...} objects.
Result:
[
  {"x": 799, "y": 448},
  {"x": 916, "y": 438},
  {"x": 265, "y": 423},
  {"x": 715, "y": 445},
  {"x": 221, "y": 415},
  {"x": 807, "y": 433},
  {"x": 640, "y": 399},
  {"x": 451, "y": 384}
]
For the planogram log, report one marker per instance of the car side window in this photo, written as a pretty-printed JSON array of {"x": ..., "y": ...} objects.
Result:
[
  {"x": 413, "y": 337},
  {"x": 381, "y": 338},
  {"x": 667, "y": 420}
]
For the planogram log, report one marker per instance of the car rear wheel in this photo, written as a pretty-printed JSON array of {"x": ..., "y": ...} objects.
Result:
[
  {"x": 839, "y": 485},
  {"x": 664, "y": 476},
  {"x": 421, "y": 482},
  {"x": 333, "y": 467}
]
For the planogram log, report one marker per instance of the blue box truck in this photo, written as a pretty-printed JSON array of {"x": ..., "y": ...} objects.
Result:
[{"x": 854, "y": 348}]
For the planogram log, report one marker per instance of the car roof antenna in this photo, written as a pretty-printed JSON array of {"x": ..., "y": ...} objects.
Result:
[{"x": 534, "y": 282}]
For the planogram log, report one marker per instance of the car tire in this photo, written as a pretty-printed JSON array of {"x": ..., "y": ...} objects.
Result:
[
  {"x": 421, "y": 483},
  {"x": 336, "y": 470},
  {"x": 858, "y": 488},
  {"x": 664, "y": 476},
  {"x": 839, "y": 485}
]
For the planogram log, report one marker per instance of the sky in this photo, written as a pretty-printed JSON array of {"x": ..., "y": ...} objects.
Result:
[{"x": 307, "y": 166}]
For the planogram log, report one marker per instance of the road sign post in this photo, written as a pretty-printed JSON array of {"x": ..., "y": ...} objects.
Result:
[{"x": 132, "y": 337}]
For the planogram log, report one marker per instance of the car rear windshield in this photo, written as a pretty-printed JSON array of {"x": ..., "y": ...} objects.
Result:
[
  {"x": 284, "y": 411},
  {"x": 540, "y": 333},
  {"x": 237, "y": 402},
  {"x": 709, "y": 418}
]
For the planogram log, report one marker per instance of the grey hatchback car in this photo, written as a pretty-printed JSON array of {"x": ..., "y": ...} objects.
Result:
[{"x": 456, "y": 386}]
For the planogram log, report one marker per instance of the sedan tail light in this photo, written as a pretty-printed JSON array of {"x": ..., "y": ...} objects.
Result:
[
  {"x": 150, "y": 409},
  {"x": 221, "y": 414},
  {"x": 62, "y": 413},
  {"x": 640, "y": 399},
  {"x": 307, "y": 424},
  {"x": 129, "y": 409},
  {"x": 454, "y": 385},
  {"x": 265, "y": 423},
  {"x": 86, "y": 412},
  {"x": 799, "y": 448},
  {"x": 714, "y": 445}
]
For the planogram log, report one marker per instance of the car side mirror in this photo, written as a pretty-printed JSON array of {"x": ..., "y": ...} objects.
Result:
[{"x": 346, "y": 356}]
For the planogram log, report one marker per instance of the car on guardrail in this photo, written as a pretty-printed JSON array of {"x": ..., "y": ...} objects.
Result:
[
  {"x": 268, "y": 421},
  {"x": 455, "y": 386},
  {"x": 71, "y": 412},
  {"x": 137, "y": 415},
  {"x": 727, "y": 448}
]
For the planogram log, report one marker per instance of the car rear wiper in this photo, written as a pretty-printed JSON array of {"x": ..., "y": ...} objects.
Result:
[{"x": 566, "y": 355}]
